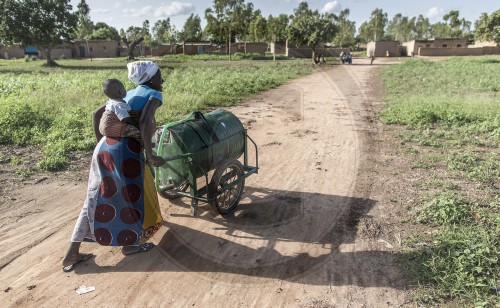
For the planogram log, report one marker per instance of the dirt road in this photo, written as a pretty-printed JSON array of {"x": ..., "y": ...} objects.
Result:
[{"x": 295, "y": 240}]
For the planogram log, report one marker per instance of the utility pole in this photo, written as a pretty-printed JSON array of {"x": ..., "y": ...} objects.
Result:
[
  {"x": 229, "y": 43},
  {"x": 274, "y": 47},
  {"x": 88, "y": 49}
]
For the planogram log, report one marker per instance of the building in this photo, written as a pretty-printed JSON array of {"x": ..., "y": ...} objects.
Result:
[
  {"x": 15, "y": 51},
  {"x": 196, "y": 48},
  {"x": 384, "y": 49},
  {"x": 96, "y": 49},
  {"x": 484, "y": 44},
  {"x": 306, "y": 51},
  {"x": 412, "y": 47}
]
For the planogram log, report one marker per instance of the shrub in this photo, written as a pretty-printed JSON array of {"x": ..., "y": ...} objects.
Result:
[
  {"x": 463, "y": 263},
  {"x": 21, "y": 124},
  {"x": 445, "y": 209}
]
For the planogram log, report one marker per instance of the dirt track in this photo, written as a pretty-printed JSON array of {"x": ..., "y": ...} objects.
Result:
[{"x": 294, "y": 240}]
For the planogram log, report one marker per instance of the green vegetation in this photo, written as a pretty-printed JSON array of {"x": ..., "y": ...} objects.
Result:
[
  {"x": 450, "y": 110},
  {"x": 52, "y": 107}
]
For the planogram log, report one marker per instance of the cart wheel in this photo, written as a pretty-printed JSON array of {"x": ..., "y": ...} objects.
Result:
[
  {"x": 225, "y": 174},
  {"x": 171, "y": 194}
]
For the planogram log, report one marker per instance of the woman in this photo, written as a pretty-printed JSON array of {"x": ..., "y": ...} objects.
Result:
[{"x": 121, "y": 208}]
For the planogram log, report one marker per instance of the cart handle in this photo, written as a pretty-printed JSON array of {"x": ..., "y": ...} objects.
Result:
[{"x": 178, "y": 156}]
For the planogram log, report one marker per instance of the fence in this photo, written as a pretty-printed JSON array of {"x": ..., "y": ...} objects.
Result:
[
  {"x": 448, "y": 52},
  {"x": 307, "y": 52}
]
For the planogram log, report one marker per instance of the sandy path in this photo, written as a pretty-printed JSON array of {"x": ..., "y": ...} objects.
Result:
[{"x": 291, "y": 242}]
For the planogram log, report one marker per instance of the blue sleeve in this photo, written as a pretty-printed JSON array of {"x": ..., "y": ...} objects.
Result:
[{"x": 157, "y": 95}]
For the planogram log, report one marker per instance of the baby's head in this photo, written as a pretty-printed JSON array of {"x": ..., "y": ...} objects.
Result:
[{"x": 114, "y": 89}]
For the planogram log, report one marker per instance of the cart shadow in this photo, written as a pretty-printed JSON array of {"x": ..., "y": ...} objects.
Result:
[{"x": 273, "y": 218}]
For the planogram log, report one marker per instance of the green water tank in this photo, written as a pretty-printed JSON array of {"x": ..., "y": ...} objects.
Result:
[{"x": 210, "y": 138}]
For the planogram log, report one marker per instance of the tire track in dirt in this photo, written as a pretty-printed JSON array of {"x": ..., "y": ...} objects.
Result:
[{"x": 313, "y": 201}]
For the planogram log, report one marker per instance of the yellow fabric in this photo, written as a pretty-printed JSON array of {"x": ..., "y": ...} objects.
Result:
[{"x": 152, "y": 213}]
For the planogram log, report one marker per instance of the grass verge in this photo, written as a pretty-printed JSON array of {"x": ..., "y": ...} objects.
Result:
[
  {"x": 51, "y": 107},
  {"x": 450, "y": 111}
]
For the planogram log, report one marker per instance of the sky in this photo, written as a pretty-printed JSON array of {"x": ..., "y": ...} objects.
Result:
[{"x": 124, "y": 13}]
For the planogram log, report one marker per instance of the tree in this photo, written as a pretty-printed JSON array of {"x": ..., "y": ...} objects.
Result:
[
  {"x": 258, "y": 28},
  {"x": 310, "y": 28},
  {"x": 401, "y": 28},
  {"x": 42, "y": 23},
  {"x": 228, "y": 20},
  {"x": 131, "y": 38},
  {"x": 373, "y": 29},
  {"x": 347, "y": 30},
  {"x": 277, "y": 28},
  {"x": 159, "y": 29},
  {"x": 422, "y": 28},
  {"x": 103, "y": 31},
  {"x": 458, "y": 27},
  {"x": 146, "y": 33},
  {"x": 171, "y": 36},
  {"x": 488, "y": 27},
  {"x": 192, "y": 29},
  {"x": 242, "y": 17},
  {"x": 84, "y": 26},
  {"x": 440, "y": 30}
]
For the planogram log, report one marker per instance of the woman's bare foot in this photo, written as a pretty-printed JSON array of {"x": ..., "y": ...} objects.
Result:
[
  {"x": 81, "y": 258},
  {"x": 73, "y": 254},
  {"x": 69, "y": 260}
]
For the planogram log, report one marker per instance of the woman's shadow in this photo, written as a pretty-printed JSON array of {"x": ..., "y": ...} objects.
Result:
[{"x": 250, "y": 241}]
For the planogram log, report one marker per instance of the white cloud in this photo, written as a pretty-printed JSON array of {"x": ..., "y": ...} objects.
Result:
[
  {"x": 108, "y": 20},
  {"x": 143, "y": 11},
  {"x": 330, "y": 7},
  {"x": 434, "y": 13},
  {"x": 174, "y": 9},
  {"x": 101, "y": 10}
]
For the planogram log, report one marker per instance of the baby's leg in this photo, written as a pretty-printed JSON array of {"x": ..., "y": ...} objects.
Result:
[{"x": 131, "y": 131}]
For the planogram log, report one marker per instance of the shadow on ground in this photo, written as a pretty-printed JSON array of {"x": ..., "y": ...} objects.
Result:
[{"x": 257, "y": 218}]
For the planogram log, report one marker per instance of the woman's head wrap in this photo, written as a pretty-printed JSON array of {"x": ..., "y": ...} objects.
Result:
[{"x": 141, "y": 71}]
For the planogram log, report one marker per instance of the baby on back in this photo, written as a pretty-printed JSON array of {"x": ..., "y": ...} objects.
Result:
[{"x": 116, "y": 120}]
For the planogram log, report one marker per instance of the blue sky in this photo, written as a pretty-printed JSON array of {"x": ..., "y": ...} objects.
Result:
[{"x": 125, "y": 13}]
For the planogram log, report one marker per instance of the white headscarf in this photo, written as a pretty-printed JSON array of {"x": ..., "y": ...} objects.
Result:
[{"x": 141, "y": 71}]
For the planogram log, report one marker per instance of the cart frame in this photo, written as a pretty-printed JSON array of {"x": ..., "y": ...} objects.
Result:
[{"x": 203, "y": 194}]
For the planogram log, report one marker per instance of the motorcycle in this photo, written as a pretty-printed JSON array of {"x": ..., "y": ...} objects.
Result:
[{"x": 346, "y": 58}]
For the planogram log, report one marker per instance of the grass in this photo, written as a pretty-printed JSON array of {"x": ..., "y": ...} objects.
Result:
[
  {"x": 450, "y": 111},
  {"x": 52, "y": 107}
]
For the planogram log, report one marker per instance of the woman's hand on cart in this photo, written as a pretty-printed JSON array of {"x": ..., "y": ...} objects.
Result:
[{"x": 155, "y": 161}]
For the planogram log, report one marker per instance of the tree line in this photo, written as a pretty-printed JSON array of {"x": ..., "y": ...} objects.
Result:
[{"x": 47, "y": 23}]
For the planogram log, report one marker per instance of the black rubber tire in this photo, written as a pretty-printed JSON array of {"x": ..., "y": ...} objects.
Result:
[
  {"x": 224, "y": 174},
  {"x": 171, "y": 194}
]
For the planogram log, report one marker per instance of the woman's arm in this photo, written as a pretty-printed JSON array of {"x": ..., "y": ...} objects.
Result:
[
  {"x": 96, "y": 118},
  {"x": 145, "y": 123}
]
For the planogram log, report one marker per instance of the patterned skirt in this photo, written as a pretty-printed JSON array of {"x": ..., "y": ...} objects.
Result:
[{"x": 121, "y": 208}]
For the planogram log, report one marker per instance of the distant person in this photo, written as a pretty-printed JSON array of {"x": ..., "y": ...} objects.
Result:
[
  {"x": 342, "y": 57},
  {"x": 349, "y": 57},
  {"x": 372, "y": 57},
  {"x": 322, "y": 59},
  {"x": 116, "y": 120}
]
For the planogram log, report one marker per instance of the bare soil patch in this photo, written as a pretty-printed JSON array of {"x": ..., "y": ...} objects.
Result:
[{"x": 315, "y": 228}]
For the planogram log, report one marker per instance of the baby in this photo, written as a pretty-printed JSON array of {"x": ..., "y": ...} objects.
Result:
[{"x": 116, "y": 120}]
